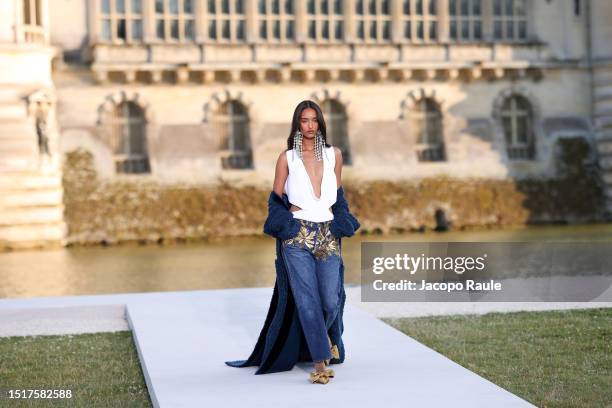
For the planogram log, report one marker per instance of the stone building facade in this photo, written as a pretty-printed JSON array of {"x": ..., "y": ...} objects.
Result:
[
  {"x": 198, "y": 91},
  {"x": 31, "y": 208}
]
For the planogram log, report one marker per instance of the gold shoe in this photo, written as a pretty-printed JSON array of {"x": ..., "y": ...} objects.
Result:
[
  {"x": 319, "y": 377},
  {"x": 334, "y": 350},
  {"x": 329, "y": 371}
]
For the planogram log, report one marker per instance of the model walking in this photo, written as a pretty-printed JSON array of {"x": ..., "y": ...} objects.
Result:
[
  {"x": 309, "y": 172},
  {"x": 308, "y": 215}
]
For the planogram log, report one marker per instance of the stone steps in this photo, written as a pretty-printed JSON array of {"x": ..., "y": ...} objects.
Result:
[
  {"x": 31, "y": 215},
  {"x": 30, "y": 181},
  {"x": 17, "y": 164},
  {"x": 18, "y": 142},
  {"x": 31, "y": 234},
  {"x": 16, "y": 128},
  {"x": 31, "y": 210},
  {"x": 34, "y": 198},
  {"x": 13, "y": 111},
  {"x": 9, "y": 141},
  {"x": 18, "y": 147},
  {"x": 31, "y": 199},
  {"x": 12, "y": 93}
]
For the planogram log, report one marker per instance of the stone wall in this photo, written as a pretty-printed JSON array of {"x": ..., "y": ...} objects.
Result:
[
  {"x": 105, "y": 211},
  {"x": 184, "y": 147}
]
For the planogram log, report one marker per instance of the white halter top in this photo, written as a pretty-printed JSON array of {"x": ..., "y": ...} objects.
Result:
[{"x": 300, "y": 189}]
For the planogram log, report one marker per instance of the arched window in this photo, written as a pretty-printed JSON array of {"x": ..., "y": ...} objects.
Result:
[
  {"x": 232, "y": 126},
  {"x": 337, "y": 135},
  {"x": 426, "y": 124},
  {"x": 517, "y": 123},
  {"x": 128, "y": 139}
]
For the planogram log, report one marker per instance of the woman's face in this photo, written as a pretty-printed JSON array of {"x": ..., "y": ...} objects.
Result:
[{"x": 308, "y": 123}]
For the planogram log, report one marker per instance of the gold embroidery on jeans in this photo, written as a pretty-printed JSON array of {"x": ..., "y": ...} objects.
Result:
[
  {"x": 304, "y": 238},
  {"x": 326, "y": 244}
]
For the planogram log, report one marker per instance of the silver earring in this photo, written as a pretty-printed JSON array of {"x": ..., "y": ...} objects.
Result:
[
  {"x": 319, "y": 146},
  {"x": 297, "y": 142}
]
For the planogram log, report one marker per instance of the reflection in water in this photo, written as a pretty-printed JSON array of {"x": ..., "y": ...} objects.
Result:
[{"x": 231, "y": 263}]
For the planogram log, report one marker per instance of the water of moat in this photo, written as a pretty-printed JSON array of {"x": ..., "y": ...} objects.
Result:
[{"x": 230, "y": 263}]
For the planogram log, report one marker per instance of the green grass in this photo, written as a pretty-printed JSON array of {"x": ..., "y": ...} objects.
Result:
[
  {"x": 551, "y": 358},
  {"x": 101, "y": 369}
]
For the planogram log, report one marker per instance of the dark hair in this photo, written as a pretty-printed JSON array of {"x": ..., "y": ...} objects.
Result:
[{"x": 295, "y": 122}]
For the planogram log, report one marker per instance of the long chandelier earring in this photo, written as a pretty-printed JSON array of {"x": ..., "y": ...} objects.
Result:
[
  {"x": 297, "y": 143},
  {"x": 319, "y": 146}
]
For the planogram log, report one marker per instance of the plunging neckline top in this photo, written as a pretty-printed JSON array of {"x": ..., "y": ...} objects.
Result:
[
  {"x": 312, "y": 184},
  {"x": 312, "y": 208}
]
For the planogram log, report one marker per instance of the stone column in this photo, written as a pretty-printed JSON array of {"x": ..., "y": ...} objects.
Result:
[
  {"x": 202, "y": 32},
  {"x": 201, "y": 22},
  {"x": 349, "y": 20},
  {"x": 252, "y": 34},
  {"x": 396, "y": 21},
  {"x": 93, "y": 14},
  {"x": 443, "y": 20},
  {"x": 301, "y": 26},
  {"x": 487, "y": 20},
  {"x": 252, "y": 25},
  {"x": 18, "y": 18},
  {"x": 531, "y": 21},
  {"x": 44, "y": 14}
]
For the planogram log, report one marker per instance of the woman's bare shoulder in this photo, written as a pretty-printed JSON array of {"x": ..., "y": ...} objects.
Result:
[
  {"x": 337, "y": 152},
  {"x": 282, "y": 157}
]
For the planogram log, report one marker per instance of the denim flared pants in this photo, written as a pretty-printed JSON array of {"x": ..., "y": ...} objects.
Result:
[{"x": 312, "y": 259}]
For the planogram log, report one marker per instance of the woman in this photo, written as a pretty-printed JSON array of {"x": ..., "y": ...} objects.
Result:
[{"x": 308, "y": 222}]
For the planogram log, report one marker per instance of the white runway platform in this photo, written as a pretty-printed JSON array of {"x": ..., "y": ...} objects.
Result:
[{"x": 184, "y": 338}]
